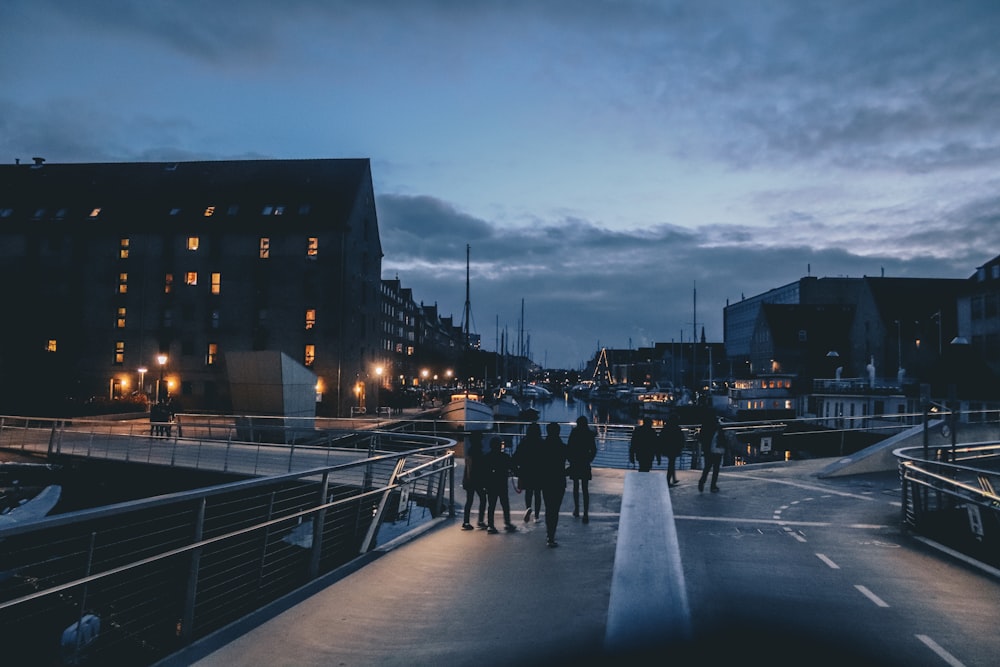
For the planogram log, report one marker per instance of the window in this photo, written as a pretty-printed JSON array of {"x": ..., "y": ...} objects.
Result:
[
  {"x": 50, "y": 345},
  {"x": 212, "y": 355},
  {"x": 119, "y": 352},
  {"x": 267, "y": 210},
  {"x": 192, "y": 243},
  {"x": 310, "y": 318},
  {"x": 120, "y": 320},
  {"x": 175, "y": 211},
  {"x": 122, "y": 283},
  {"x": 39, "y": 213},
  {"x": 209, "y": 211},
  {"x": 312, "y": 247},
  {"x": 216, "y": 283},
  {"x": 95, "y": 212},
  {"x": 6, "y": 212},
  {"x": 279, "y": 210},
  {"x": 168, "y": 283},
  {"x": 123, "y": 249},
  {"x": 310, "y": 355},
  {"x": 265, "y": 247},
  {"x": 191, "y": 278},
  {"x": 168, "y": 318},
  {"x": 214, "y": 319}
]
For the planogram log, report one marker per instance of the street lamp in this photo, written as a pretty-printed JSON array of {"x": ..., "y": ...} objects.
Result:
[
  {"x": 142, "y": 379},
  {"x": 161, "y": 359},
  {"x": 378, "y": 386}
]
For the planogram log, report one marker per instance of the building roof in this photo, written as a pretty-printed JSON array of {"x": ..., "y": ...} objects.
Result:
[{"x": 228, "y": 192}]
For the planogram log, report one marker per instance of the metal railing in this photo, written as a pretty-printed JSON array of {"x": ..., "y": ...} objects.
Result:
[
  {"x": 133, "y": 582},
  {"x": 950, "y": 494}
]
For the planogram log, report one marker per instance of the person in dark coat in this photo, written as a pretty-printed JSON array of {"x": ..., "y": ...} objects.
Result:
[
  {"x": 526, "y": 460},
  {"x": 473, "y": 478},
  {"x": 581, "y": 448},
  {"x": 713, "y": 446},
  {"x": 672, "y": 444},
  {"x": 552, "y": 477},
  {"x": 499, "y": 468},
  {"x": 644, "y": 446}
]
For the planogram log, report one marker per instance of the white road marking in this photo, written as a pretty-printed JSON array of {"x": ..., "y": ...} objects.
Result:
[
  {"x": 871, "y": 596},
  {"x": 830, "y": 563},
  {"x": 944, "y": 655}
]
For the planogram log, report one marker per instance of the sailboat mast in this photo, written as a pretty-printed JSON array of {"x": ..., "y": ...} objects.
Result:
[{"x": 467, "y": 303}]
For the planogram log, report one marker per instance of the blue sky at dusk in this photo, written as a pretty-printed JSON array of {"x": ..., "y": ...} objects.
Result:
[{"x": 603, "y": 159}]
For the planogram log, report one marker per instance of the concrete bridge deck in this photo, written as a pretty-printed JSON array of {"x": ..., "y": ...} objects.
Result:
[{"x": 780, "y": 565}]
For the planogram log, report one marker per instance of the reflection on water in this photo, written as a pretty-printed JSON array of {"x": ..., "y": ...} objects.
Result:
[{"x": 565, "y": 410}]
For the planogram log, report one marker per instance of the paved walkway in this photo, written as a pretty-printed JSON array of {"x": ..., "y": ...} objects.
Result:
[{"x": 453, "y": 597}]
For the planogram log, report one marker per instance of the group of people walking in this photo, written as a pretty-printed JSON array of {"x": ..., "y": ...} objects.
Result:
[
  {"x": 647, "y": 444},
  {"x": 540, "y": 466}
]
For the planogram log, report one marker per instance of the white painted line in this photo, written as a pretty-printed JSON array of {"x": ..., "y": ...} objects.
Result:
[
  {"x": 830, "y": 563},
  {"x": 871, "y": 596},
  {"x": 944, "y": 655},
  {"x": 798, "y": 536}
]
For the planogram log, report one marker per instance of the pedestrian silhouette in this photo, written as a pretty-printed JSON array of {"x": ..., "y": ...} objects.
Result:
[
  {"x": 581, "y": 448},
  {"x": 526, "y": 458},
  {"x": 644, "y": 446},
  {"x": 713, "y": 446},
  {"x": 499, "y": 468},
  {"x": 473, "y": 478},
  {"x": 672, "y": 444},
  {"x": 553, "y": 479}
]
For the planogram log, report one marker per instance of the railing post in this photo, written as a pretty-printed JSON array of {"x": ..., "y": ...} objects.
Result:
[
  {"x": 191, "y": 594},
  {"x": 319, "y": 521}
]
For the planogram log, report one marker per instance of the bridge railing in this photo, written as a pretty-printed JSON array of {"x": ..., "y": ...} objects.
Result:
[
  {"x": 951, "y": 493},
  {"x": 132, "y": 583}
]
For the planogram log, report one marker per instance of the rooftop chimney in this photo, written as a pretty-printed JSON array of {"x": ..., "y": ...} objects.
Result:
[{"x": 38, "y": 160}]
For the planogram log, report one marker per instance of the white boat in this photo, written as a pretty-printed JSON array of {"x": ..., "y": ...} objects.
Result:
[
  {"x": 506, "y": 407},
  {"x": 466, "y": 411}
]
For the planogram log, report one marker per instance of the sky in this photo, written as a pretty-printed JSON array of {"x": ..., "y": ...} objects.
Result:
[{"x": 622, "y": 168}]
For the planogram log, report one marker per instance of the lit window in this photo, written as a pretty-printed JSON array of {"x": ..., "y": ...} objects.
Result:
[
  {"x": 216, "y": 283},
  {"x": 191, "y": 278},
  {"x": 209, "y": 211},
  {"x": 310, "y": 318},
  {"x": 265, "y": 247},
  {"x": 310, "y": 355},
  {"x": 50, "y": 346},
  {"x": 119, "y": 352},
  {"x": 212, "y": 354},
  {"x": 95, "y": 212},
  {"x": 279, "y": 210},
  {"x": 192, "y": 243},
  {"x": 267, "y": 210},
  {"x": 122, "y": 283},
  {"x": 168, "y": 283},
  {"x": 6, "y": 212},
  {"x": 120, "y": 321},
  {"x": 312, "y": 246},
  {"x": 123, "y": 249}
]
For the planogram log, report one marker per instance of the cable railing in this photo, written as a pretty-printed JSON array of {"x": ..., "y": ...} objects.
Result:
[
  {"x": 951, "y": 493},
  {"x": 133, "y": 582}
]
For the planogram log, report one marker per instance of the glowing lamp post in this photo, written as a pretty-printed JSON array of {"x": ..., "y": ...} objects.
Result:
[
  {"x": 142, "y": 379},
  {"x": 161, "y": 359}
]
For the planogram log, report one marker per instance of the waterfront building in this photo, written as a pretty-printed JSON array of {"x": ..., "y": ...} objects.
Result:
[{"x": 104, "y": 268}]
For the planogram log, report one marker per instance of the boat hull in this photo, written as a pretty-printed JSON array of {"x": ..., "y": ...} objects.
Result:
[{"x": 468, "y": 414}]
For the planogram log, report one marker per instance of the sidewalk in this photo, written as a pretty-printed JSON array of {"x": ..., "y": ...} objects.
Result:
[{"x": 449, "y": 597}]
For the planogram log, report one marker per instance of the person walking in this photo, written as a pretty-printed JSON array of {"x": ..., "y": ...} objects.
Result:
[
  {"x": 499, "y": 468},
  {"x": 552, "y": 477},
  {"x": 672, "y": 444},
  {"x": 526, "y": 460},
  {"x": 643, "y": 447},
  {"x": 472, "y": 478},
  {"x": 712, "y": 440},
  {"x": 581, "y": 448}
]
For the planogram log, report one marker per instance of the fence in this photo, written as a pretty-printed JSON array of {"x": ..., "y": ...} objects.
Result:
[{"x": 134, "y": 582}]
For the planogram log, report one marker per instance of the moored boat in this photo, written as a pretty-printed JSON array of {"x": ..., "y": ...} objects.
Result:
[{"x": 466, "y": 411}]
